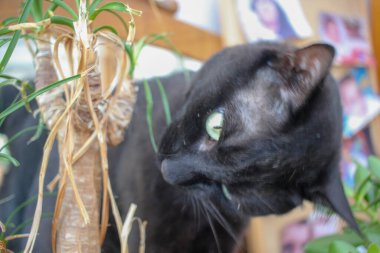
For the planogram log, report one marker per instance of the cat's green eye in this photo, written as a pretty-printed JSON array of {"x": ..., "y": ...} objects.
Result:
[{"x": 214, "y": 124}]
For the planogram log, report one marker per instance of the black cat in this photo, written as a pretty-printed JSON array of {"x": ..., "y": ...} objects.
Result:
[{"x": 256, "y": 132}]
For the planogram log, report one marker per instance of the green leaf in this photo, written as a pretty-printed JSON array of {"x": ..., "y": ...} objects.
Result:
[
  {"x": 23, "y": 205},
  {"x": 35, "y": 94},
  {"x": 67, "y": 8},
  {"x": 342, "y": 247},
  {"x": 29, "y": 221},
  {"x": 321, "y": 245},
  {"x": 93, "y": 6},
  {"x": 165, "y": 102},
  {"x": 362, "y": 182},
  {"x": 50, "y": 10},
  {"x": 372, "y": 232},
  {"x": 17, "y": 135},
  {"x": 147, "y": 40},
  {"x": 62, "y": 21},
  {"x": 4, "y": 31},
  {"x": 9, "y": 21},
  {"x": 374, "y": 166},
  {"x": 9, "y": 158},
  {"x": 7, "y": 77},
  {"x": 348, "y": 190},
  {"x": 8, "y": 82},
  {"x": 4, "y": 41},
  {"x": 24, "y": 95},
  {"x": 135, "y": 50},
  {"x": 117, "y": 6},
  {"x": 36, "y": 10},
  {"x": 120, "y": 18},
  {"x": 16, "y": 36},
  {"x": 107, "y": 27},
  {"x": 13, "y": 102},
  {"x": 77, "y": 4},
  {"x": 149, "y": 114},
  {"x": 39, "y": 131},
  {"x": 373, "y": 248}
]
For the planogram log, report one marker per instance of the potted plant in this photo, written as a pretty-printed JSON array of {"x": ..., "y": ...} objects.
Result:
[
  {"x": 365, "y": 202},
  {"x": 86, "y": 100}
]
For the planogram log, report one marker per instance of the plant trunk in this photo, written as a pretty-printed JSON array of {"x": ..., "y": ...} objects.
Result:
[
  {"x": 51, "y": 103},
  {"x": 73, "y": 234},
  {"x": 96, "y": 111}
]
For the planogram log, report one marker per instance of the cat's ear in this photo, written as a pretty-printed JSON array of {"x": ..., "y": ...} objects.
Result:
[
  {"x": 314, "y": 61},
  {"x": 332, "y": 195},
  {"x": 305, "y": 70}
]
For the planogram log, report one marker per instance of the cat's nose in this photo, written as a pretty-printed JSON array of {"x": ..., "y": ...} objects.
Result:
[
  {"x": 174, "y": 173},
  {"x": 166, "y": 172}
]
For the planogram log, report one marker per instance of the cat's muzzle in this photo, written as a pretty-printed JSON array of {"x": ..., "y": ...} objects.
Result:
[{"x": 177, "y": 173}]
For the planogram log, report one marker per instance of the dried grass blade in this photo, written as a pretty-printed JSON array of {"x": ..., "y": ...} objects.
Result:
[
  {"x": 105, "y": 204},
  {"x": 119, "y": 76},
  {"x": 142, "y": 228},
  {"x": 104, "y": 162},
  {"x": 131, "y": 31},
  {"x": 45, "y": 159},
  {"x": 127, "y": 226},
  {"x": 13, "y": 237},
  {"x": 57, "y": 63},
  {"x": 53, "y": 183},
  {"x": 84, "y": 148},
  {"x": 69, "y": 141},
  {"x": 2, "y": 227},
  {"x": 115, "y": 211}
]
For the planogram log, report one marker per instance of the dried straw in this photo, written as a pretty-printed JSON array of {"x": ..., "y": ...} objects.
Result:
[{"x": 97, "y": 107}]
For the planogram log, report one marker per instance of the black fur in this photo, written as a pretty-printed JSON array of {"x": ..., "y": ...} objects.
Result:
[{"x": 280, "y": 144}]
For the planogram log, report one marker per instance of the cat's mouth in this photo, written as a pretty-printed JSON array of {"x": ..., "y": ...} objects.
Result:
[
  {"x": 189, "y": 179},
  {"x": 177, "y": 173},
  {"x": 196, "y": 180}
]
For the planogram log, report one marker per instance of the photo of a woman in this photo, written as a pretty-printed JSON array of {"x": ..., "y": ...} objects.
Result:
[{"x": 271, "y": 19}]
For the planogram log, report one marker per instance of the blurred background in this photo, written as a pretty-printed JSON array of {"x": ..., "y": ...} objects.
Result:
[{"x": 197, "y": 29}]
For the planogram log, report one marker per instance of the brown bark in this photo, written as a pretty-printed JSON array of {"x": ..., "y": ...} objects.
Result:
[
  {"x": 51, "y": 103},
  {"x": 73, "y": 234}
]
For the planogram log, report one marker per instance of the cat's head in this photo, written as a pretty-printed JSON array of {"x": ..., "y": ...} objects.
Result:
[{"x": 260, "y": 131}]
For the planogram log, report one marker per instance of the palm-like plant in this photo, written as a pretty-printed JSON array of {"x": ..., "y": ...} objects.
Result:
[{"x": 87, "y": 102}]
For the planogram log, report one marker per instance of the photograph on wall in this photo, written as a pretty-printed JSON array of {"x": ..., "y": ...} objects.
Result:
[
  {"x": 272, "y": 19},
  {"x": 295, "y": 235},
  {"x": 348, "y": 36},
  {"x": 355, "y": 149},
  {"x": 360, "y": 103}
]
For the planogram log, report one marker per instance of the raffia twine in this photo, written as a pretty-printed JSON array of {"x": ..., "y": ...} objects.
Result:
[{"x": 76, "y": 116}]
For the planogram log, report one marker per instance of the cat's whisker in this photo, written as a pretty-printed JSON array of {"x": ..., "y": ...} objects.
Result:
[
  {"x": 198, "y": 213},
  {"x": 222, "y": 221},
  {"x": 204, "y": 209},
  {"x": 264, "y": 202},
  {"x": 195, "y": 206}
]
